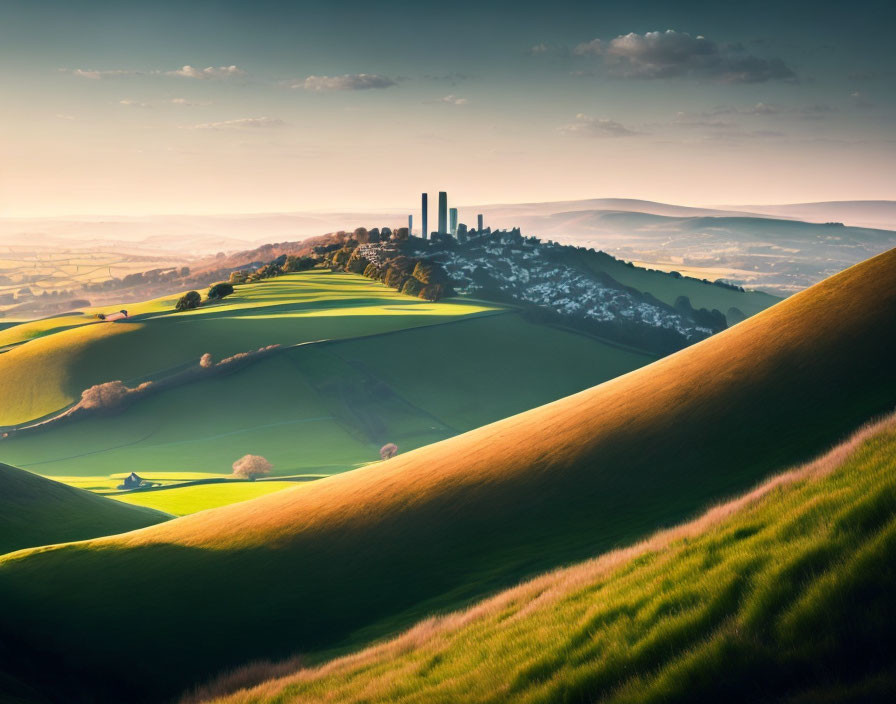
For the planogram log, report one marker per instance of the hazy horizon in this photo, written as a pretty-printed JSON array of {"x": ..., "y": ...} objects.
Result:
[{"x": 114, "y": 109}]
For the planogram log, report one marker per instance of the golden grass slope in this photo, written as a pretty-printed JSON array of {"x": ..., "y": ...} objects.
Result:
[
  {"x": 359, "y": 555},
  {"x": 36, "y": 511},
  {"x": 714, "y": 609}
]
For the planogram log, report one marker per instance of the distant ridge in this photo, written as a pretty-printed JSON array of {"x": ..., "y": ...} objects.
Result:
[{"x": 316, "y": 567}]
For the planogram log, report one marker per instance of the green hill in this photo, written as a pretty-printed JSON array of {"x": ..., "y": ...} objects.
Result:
[
  {"x": 783, "y": 594},
  {"x": 350, "y": 558},
  {"x": 377, "y": 367},
  {"x": 36, "y": 511}
]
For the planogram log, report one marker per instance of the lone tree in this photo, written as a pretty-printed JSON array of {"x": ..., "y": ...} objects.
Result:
[
  {"x": 389, "y": 450},
  {"x": 219, "y": 291},
  {"x": 251, "y": 466},
  {"x": 190, "y": 300}
]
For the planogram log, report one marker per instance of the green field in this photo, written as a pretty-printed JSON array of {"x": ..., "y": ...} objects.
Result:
[
  {"x": 179, "y": 501},
  {"x": 782, "y": 595},
  {"x": 339, "y": 563},
  {"x": 37, "y": 511},
  {"x": 63, "y": 355},
  {"x": 393, "y": 369}
]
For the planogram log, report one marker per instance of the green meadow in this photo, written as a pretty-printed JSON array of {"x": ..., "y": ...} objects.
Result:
[
  {"x": 378, "y": 367},
  {"x": 181, "y": 500}
]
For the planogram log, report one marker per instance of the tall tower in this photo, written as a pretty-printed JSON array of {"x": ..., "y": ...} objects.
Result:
[
  {"x": 424, "y": 232},
  {"x": 410, "y": 225},
  {"x": 452, "y": 219},
  {"x": 443, "y": 212},
  {"x": 479, "y": 221}
]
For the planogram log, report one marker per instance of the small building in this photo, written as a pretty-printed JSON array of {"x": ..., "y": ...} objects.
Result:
[{"x": 132, "y": 481}]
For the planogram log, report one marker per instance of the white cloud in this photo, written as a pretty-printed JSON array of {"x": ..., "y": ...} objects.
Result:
[
  {"x": 349, "y": 81},
  {"x": 96, "y": 75},
  {"x": 588, "y": 126},
  {"x": 669, "y": 54},
  {"x": 593, "y": 48},
  {"x": 65, "y": 116},
  {"x": 133, "y": 103},
  {"x": 184, "y": 102},
  {"x": 540, "y": 48},
  {"x": 208, "y": 72},
  {"x": 240, "y": 124},
  {"x": 453, "y": 100}
]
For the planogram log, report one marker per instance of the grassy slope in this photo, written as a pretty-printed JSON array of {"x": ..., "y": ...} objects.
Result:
[
  {"x": 780, "y": 594},
  {"x": 667, "y": 289},
  {"x": 358, "y": 555},
  {"x": 327, "y": 408},
  {"x": 36, "y": 511},
  {"x": 53, "y": 360}
]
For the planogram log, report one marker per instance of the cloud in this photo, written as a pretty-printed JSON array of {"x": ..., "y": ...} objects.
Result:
[
  {"x": 133, "y": 103},
  {"x": 540, "y": 48},
  {"x": 240, "y": 124},
  {"x": 65, "y": 116},
  {"x": 209, "y": 72},
  {"x": 184, "y": 102},
  {"x": 453, "y": 100},
  {"x": 670, "y": 54},
  {"x": 349, "y": 81},
  {"x": 96, "y": 75},
  {"x": 593, "y": 48},
  {"x": 587, "y": 126}
]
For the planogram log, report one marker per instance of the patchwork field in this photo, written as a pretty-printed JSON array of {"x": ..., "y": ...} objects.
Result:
[
  {"x": 377, "y": 367},
  {"x": 313, "y": 570}
]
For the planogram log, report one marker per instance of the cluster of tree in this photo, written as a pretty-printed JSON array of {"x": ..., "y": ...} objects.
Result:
[
  {"x": 411, "y": 276},
  {"x": 284, "y": 264},
  {"x": 193, "y": 299}
]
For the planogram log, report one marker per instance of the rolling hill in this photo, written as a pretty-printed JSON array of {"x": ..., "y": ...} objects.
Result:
[
  {"x": 378, "y": 367},
  {"x": 36, "y": 511},
  {"x": 783, "y": 594},
  {"x": 351, "y": 558}
]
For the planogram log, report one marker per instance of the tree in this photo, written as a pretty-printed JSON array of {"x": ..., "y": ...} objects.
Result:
[
  {"x": 251, "y": 466},
  {"x": 388, "y": 451},
  {"x": 219, "y": 291},
  {"x": 190, "y": 300},
  {"x": 412, "y": 287},
  {"x": 432, "y": 292},
  {"x": 238, "y": 277}
]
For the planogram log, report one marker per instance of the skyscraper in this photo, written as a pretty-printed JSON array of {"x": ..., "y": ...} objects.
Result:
[
  {"x": 479, "y": 220},
  {"x": 424, "y": 232},
  {"x": 452, "y": 216},
  {"x": 410, "y": 225},
  {"x": 443, "y": 212}
]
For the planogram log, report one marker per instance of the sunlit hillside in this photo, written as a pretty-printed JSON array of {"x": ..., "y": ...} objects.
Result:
[{"x": 339, "y": 562}]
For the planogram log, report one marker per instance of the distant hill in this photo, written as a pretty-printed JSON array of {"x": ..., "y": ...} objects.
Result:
[
  {"x": 879, "y": 214},
  {"x": 36, "y": 511},
  {"x": 357, "y": 556},
  {"x": 783, "y": 594}
]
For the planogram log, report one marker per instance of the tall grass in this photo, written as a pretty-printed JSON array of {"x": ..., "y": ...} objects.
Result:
[{"x": 785, "y": 592}]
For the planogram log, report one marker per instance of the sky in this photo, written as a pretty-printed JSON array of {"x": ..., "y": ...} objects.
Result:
[{"x": 226, "y": 107}]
